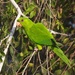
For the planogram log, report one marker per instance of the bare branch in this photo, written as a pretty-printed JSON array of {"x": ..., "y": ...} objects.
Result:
[
  {"x": 3, "y": 39},
  {"x": 54, "y": 32},
  {"x": 12, "y": 31},
  {"x": 28, "y": 62}
]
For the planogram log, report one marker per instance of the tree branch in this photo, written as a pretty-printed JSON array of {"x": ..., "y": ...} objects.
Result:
[
  {"x": 12, "y": 31},
  {"x": 54, "y": 32},
  {"x": 29, "y": 61},
  {"x": 3, "y": 39}
]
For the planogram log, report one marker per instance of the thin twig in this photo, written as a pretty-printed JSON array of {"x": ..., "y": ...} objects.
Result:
[
  {"x": 64, "y": 70},
  {"x": 70, "y": 46},
  {"x": 47, "y": 61},
  {"x": 54, "y": 63},
  {"x": 54, "y": 32},
  {"x": 26, "y": 59},
  {"x": 40, "y": 61},
  {"x": 4, "y": 2},
  {"x": 38, "y": 67},
  {"x": 3, "y": 39},
  {"x": 28, "y": 62},
  {"x": 41, "y": 9}
]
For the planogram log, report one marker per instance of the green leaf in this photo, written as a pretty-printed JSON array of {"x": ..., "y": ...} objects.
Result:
[
  {"x": 39, "y": 47},
  {"x": 65, "y": 40},
  {"x": 32, "y": 14},
  {"x": 67, "y": 73},
  {"x": 31, "y": 65},
  {"x": 21, "y": 54},
  {"x": 17, "y": 1},
  {"x": 48, "y": 12},
  {"x": 2, "y": 53},
  {"x": 30, "y": 8},
  {"x": 38, "y": 74},
  {"x": 0, "y": 58},
  {"x": 30, "y": 47},
  {"x": 44, "y": 70},
  {"x": 59, "y": 44},
  {"x": 58, "y": 72}
]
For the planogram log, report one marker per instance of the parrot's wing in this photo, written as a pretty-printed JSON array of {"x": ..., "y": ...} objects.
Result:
[
  {"x": 43, "y": 28},
  {"x": 40, "y": 35}
]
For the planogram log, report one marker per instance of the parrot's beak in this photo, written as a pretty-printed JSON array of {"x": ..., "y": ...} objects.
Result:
[{"x": 18, "y": 24}]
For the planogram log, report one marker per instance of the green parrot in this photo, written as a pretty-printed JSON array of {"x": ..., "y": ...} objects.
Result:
[{"x": 39, "y": 34}]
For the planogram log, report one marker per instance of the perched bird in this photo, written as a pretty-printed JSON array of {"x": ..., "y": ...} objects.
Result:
[{"x": 39, "y": 34}]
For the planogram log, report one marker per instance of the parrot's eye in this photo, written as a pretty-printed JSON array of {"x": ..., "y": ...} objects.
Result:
[{"x": 22, "y": 20}]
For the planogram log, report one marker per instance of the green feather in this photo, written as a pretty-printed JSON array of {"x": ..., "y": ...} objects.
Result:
[{"x": 39, "y": 34}]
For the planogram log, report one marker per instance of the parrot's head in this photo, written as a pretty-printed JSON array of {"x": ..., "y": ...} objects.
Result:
[
  {"x": 25, "y": 22},
  {"x": 21, "y": 20}
]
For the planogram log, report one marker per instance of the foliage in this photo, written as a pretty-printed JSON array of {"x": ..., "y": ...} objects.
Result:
[{"x": 21, "y": 47}]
